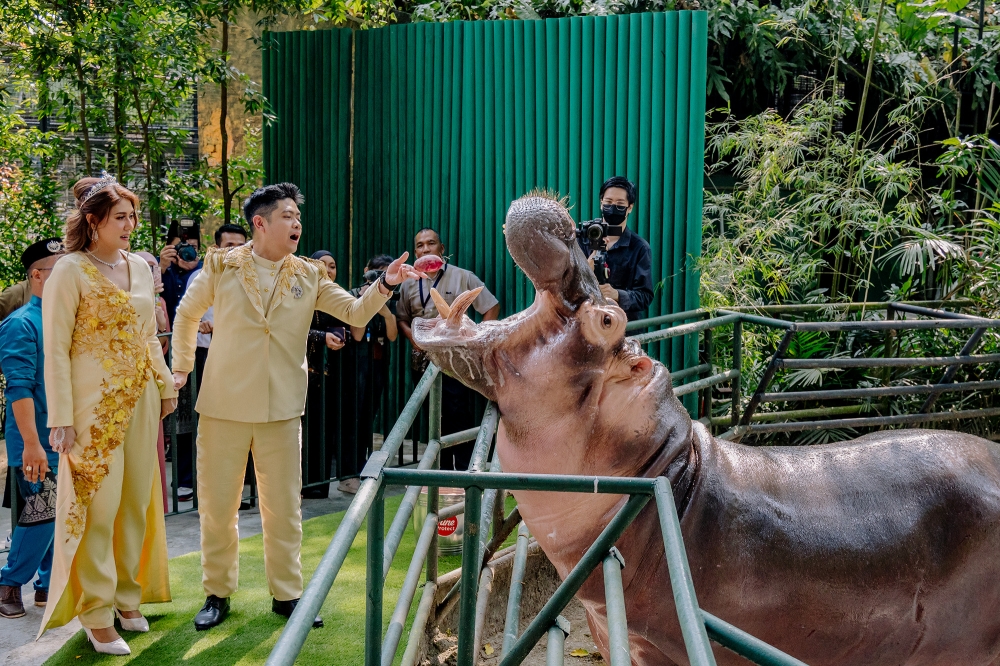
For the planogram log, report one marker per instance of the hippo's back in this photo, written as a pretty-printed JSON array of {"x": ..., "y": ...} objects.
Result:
[{"x": 857, "y": 552}]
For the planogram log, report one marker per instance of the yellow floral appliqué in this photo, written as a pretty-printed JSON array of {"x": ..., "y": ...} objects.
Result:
[{"x": 105, "y": 329}]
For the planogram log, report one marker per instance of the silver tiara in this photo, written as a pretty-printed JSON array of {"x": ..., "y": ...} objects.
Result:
[{"x": 106, "y": 180}]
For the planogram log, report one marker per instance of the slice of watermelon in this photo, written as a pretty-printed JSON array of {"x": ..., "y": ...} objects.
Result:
[{"x": 429, "y": 263}]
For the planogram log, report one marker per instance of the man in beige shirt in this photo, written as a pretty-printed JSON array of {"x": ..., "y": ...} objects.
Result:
[{"x": 253, "y": 392}]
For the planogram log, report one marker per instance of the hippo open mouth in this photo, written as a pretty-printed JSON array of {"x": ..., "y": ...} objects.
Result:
[{"x": 876, "y": 552}]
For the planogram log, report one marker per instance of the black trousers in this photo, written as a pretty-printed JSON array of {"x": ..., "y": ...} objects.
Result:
[{"x": 458, "y": 412}]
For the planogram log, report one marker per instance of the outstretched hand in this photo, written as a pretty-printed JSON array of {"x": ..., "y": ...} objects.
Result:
[{"x": 398, "y": 271}]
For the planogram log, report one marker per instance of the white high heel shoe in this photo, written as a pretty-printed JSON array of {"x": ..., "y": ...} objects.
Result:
[
  {"x": 117, "y": 647},
  {"x": 139, "y": 624}
]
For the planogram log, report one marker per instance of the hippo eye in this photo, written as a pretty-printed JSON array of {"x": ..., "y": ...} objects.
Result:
[{"x": 607, "y": 321}]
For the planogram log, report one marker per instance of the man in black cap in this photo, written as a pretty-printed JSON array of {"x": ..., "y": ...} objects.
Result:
[{"x": 28, "y": 451}]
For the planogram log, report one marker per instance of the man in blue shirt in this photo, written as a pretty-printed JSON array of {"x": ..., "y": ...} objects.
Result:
[{"x": 29, "y": 456}]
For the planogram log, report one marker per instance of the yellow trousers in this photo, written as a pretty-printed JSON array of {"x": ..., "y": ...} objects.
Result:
[
  {"x": 222, "y": 458},
  {"x": 105, "y": 571}
]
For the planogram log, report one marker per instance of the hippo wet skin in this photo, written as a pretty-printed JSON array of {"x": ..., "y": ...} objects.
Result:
[{"x": 876, "y": 552}]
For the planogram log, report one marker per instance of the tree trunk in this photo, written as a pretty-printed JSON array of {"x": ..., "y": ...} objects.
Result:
[
  {"x": 83, "y": 112},
  {"x": 227, "y": 196},
  {"x": 147, "y": 159},
  {"x": 119, "y": 122}
]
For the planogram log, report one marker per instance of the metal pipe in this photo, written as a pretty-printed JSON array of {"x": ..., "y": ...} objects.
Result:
[
  {"x": 614, "y": 485},
  {"x": 900, "y": 419},
  {"x": 482, "y": 606},
  {"x": 433, "y": 503},
  {"x": 300, "y": 623},
  {"x": 511, "y": 623},
  {"x": 746, "y": 645},
  {"x": 402, "y": 518},
  {"x": 677, "y": 377},
  {"x": 614, "y": 603},
  {"x": 684, "y": 329},
  {"x": 419, "y": 625},
  {"x": 929, "y": 312},
  {"x": 769, "y": 372},
  {"x": 879, "y": 391},
  {"x": 763, "y": 321},
  {"x": 706, "y": 382},
  {"x": 665, "y": 319},
  {"x": 574, "y": 581},
  {"x": 887, "y": 362},
  {"x": 699, "y": 650},
  {"x": 707, "y": 390},
  {"x": 470, "y": 575},
  {"x": 374, "y": 583},
  {"x": 460, "y": 437},
  {"x": 738, "y": 367},
  {"x": 897, "y": 325},
  {"x": 555, "y": 652},
  {"x": 395, "y": 629},
  {"x": 949, "y": 374},
  {"x": 486, "y": 514},
  {"x": 485, "y": 437},
  {"x": 451, "y": 511}
]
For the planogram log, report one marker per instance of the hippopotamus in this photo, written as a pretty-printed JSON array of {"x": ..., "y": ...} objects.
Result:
[{"x": 880, "y": 551}]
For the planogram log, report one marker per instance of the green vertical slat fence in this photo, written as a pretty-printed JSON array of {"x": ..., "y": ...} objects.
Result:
[{"x": 453, "y": 121}]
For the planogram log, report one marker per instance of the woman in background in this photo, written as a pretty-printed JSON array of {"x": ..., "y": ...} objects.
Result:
[
  {"x": 162, "y": 326},
  {"x": 107, "y": 388}
]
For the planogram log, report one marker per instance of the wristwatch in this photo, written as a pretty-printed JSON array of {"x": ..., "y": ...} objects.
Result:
[{"x": 391, "y": 288}]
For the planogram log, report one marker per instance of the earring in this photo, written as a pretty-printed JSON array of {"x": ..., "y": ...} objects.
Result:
[{"x": 93, "y": 236}]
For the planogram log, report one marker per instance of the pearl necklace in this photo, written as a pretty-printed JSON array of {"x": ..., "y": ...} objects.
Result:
[{"x": 108, "y": 264}]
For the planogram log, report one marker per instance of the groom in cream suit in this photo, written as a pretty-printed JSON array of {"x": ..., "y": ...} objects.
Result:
[{"x": 254, "y": 388}]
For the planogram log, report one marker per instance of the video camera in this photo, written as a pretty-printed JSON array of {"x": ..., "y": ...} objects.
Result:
[{"x": 596, "y": 233}]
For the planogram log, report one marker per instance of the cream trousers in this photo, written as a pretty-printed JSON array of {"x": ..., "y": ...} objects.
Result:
[
  {"x": 222, "y": 458},
  {"x": 107, "y": 560}
]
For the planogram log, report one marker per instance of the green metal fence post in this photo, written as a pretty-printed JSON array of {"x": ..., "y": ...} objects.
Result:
[
  {"x": 434, "y": 433},
  {"x": 470, "y": 577},
  {"x": 745, "y": 644},
  {"x": 574, "y": 581},
  {"x": 556, "y": 651},
  {"x": 373, "y": 605},
  {"x": 510, "y": 626},
  {"x": 614, "y": 600},
  {"x": 738, "y": 366},
  {"x": 699, "y": 650}
]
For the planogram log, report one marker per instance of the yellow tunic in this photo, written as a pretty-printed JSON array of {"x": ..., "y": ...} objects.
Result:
[{"x": 105, "y": 375}]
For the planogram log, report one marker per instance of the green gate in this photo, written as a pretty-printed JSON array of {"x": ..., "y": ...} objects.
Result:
[{"x": 442, "y": 125}]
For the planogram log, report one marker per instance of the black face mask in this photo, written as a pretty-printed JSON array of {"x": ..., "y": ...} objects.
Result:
[{"x": 614, "y": 215}]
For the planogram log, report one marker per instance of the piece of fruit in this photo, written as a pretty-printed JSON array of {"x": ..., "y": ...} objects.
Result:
[{"x": 428, "y": 263}]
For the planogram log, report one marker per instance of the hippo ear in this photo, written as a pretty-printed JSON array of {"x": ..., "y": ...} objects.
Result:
[
  {"x": 456, "y": 344},
  {"x": 541, "y": 237}
]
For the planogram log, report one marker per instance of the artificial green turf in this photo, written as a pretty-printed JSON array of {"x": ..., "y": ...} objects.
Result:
[{"x": 251, "y": 630}]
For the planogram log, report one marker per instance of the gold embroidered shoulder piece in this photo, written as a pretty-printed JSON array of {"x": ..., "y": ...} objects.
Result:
[
  {"x": 241, "y": 259},
  {"x": 107, "y": 330}
]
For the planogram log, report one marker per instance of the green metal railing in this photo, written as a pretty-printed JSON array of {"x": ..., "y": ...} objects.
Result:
[{"x": 483, "y": 509}]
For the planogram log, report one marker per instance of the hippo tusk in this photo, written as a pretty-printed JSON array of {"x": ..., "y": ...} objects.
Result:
[
  {"x": 462, "y": 304},
  {"x": 442, "y": 305}
]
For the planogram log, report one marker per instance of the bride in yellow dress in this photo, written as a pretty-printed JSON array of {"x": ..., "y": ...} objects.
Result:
[{"x": 107, "y": 387}]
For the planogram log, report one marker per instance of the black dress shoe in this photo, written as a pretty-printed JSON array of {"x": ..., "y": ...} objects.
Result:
[
  {"x": 285, "y": 609},
  {"x": 212, "y": 613}
]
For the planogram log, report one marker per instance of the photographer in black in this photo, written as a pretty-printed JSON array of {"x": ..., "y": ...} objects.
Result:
[
  {"x": 178, "y": 261},
  {"x": 620, "y": 258}
]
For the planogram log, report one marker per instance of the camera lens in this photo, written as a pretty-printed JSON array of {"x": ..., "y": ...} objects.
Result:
[
  {"x": 594, "y": 232},
  {"x": 187, "y": 252}
]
